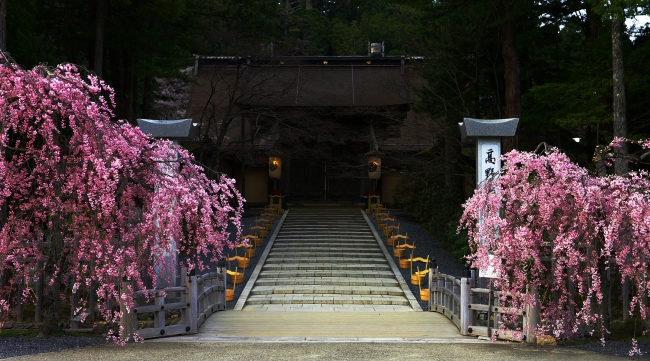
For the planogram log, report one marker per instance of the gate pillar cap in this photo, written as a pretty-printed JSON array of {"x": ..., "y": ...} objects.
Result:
[{"x": 475, "y": 128}]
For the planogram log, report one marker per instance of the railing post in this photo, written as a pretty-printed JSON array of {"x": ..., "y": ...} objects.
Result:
[
  {"x": 532, "y": 315},
  {"x": 126, "y": 321},
  {"x": 456, "y": 305},
  {"x": 192, "y": 312},
  {"x": 184, "y": 298},
  {"x": 221, "y": 273},
  {"x": 465, "y": 290},
  {"x": 449, "y": 286},
  {"x": 436, "y": 294},
  {"x": 159, "y": 316},
  {"x": 200, "y": 286},
  {"x": 430, "y": 279}
]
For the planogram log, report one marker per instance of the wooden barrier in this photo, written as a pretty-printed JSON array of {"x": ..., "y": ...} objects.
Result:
[
  {"x": 444, "y": 296},
  {"x": 196, "y": 299},
  {"x": 455, "y": 299}
]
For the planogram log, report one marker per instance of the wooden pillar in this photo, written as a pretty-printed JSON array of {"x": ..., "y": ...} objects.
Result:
[
  {"x": 126, "y": 321},
  {"x": 243, "y": 178},
  {"x": 191, "y": 283},
  {"x": 465, "y": 314},
  {"x": 92, "y": 298},
  {"x": 38, "y": 289},
  {"x": 532, "y": 316},
  {"x": 20, "y": 286},
  {"x": 287, "y": 176},
  {"x": 159, "y": 316}
]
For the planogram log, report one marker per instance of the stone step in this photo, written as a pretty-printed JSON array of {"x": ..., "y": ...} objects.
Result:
[
  {"x": 328, "y": 234},
  {"x": 345, "y": 248},
  {"x": 343, "y": 241},
  {"x": 318, "y": 260},
  {"x": 325, "y": 273},
  {"x": 287, "y": 253},
  {"x": 327, "y": 289},
  {"x": 296, "y": 298},
  {"x": 338, "y": 281},
  {"x": 310, "y": 221},
  {"x": 323, "y": 233},
  {"x": 324, "y": 267},
  {"x": 308, "y": 247},
  {"x": 296, "y": 307},
  {"x": 325, "y": 239}
]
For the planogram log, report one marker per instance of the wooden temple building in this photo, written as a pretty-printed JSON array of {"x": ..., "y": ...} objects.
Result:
[{"x": 322, "y": 119}]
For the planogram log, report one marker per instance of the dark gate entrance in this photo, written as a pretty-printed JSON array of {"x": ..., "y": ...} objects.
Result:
[{"x": 318, "y": 183}]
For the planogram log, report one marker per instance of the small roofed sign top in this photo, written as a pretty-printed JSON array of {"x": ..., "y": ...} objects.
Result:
[
  {"x": 178, "y": 129},
  {"x": 476, "y": 128}
]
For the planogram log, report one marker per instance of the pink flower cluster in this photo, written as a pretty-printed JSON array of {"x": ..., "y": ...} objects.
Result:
[
  {"x": 548, "y": 222},
  {"x": 94, "y": 200}
]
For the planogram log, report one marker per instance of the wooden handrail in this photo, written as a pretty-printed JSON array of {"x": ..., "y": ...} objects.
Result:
[
  {"x": 200, "y": 296},
  {"x": 453, "y": 297}
]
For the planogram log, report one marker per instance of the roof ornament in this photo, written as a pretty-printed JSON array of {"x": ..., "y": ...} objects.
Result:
[{"x": 376, "y": 49}]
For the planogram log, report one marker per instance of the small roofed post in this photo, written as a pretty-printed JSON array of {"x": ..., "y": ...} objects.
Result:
[
  {"x": 488, "y": 133},
  {"x": 174, "y": 130}
]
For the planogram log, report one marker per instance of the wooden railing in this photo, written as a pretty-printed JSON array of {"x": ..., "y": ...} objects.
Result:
[
  {"x": 456, "y": 299},
  {"x": 444, "y": 296},
  {"x": 192, "y": 302}
]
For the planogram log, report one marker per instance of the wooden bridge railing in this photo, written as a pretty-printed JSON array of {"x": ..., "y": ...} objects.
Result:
[
  {"x": 196, "y": 299},
  {"x": 456, "y": 299}
]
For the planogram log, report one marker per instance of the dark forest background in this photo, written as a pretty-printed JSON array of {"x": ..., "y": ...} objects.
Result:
[{"x": 555, "y": 64}]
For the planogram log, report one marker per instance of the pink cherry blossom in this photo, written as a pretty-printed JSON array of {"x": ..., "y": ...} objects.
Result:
[
  {"x": 92, "y": 199},
  {"x": 550, "y": 223}
]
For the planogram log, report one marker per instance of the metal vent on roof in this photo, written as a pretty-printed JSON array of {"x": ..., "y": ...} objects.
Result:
[{"x": 376, "y": 49}]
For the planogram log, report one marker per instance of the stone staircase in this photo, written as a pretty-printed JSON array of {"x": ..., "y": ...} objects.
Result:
[{"x": 327, "y": 260}]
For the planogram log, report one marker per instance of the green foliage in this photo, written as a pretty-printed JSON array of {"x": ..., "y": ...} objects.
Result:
[
  {"x": 348, "y": 39},
  {"x": 426, "y": 199}
]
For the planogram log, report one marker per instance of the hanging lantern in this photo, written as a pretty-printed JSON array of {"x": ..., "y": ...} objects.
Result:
[
  {"x": 374, "y": 168},
  {"x": 275, "y": 167}
]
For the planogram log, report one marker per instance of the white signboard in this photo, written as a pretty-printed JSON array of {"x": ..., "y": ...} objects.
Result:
[
  {"x": 490, "y": 271},
  {"x": 487, "y": 158}
]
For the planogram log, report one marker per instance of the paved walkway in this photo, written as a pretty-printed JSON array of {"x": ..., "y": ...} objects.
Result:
[
  {"x": 262, "y": 351},
  {"x": 327, "y": 327},
  {"x": 326, "y": 260}
]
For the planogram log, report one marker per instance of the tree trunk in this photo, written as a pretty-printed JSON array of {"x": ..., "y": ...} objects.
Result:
[
  {"x": 146, "y": 97},
  {"x": 604, "y": 306},
  {"x": 129, "y": 92},
  {"x": 3, "y": 25},
  {"x": 98, "y": 59},
  {"x": 52, "y": 285},
  {"x": 619, "y": 106},
  {"x": 593, "y": 22},
  {"x": 117, "y": 77},
  {"x": 512, "y": 69},
  {"x": 308, "y": 5}
]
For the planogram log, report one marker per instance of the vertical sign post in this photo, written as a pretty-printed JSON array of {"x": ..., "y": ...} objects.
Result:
[
  {"x": 488, "y": 133},
  {"x": 174, "y": 130}
]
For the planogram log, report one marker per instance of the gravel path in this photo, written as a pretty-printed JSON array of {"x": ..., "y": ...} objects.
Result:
[
  {"x": 425, "y": 245},
  {"x": 18, "y": 346},
  {"x": 247, "y": 221}
]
